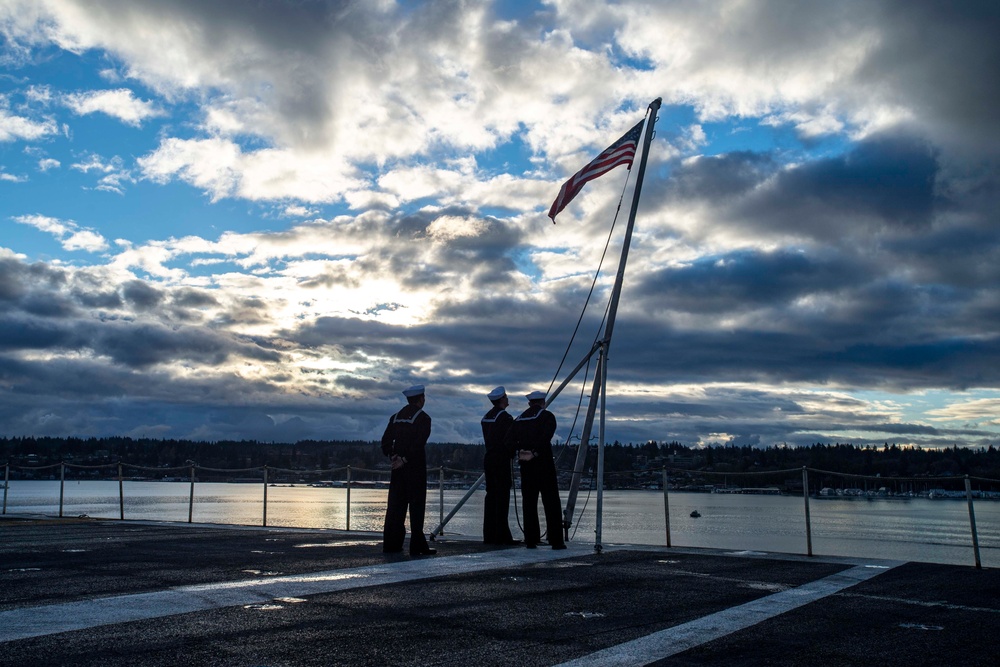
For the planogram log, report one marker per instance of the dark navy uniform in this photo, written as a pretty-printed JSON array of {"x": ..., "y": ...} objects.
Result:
[
  {"x": 533, "y": 431},
  {"x": 406, "y": 436},
  {"x": 496, "y": 465}
]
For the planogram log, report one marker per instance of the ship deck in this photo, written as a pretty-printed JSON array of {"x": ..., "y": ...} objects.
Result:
[{"x": 102, "y": 592}]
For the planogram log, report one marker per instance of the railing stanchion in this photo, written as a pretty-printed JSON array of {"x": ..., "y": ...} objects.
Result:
[
  {"x": 972, "y": 522},
  {"x": 666, "y": 505},
  {"x": 6, "y": 484},
  {"x": 441, "y": 495},
  {"x": 265, "y": 496},
  {"x": 62, "y": 485},
  {"x": 347, "y": 511},
  {"x": 191, "y": 497},
  {"x": 805, "y": 497},
  {"x": 121, "y": 493}
]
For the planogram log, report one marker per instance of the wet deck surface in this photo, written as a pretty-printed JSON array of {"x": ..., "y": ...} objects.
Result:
[{"x": 93, "y": 592}]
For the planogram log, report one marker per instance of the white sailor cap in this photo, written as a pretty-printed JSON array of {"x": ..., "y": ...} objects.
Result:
[
  {"x": 415, "y": 390},
  {"x": 536, "y": 396},
  {"x": 497, "y": 393}
]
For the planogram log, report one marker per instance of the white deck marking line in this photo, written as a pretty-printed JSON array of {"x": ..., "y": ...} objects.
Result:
[
  {"x": 51, "y": 619},
  {"x": 677, "y": 639}
]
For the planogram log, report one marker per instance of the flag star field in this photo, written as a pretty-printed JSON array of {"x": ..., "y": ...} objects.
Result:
[{"x": 262, "y": 221}]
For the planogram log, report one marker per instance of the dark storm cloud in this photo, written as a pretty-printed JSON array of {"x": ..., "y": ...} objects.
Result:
[
  {"x": 31, "y": 287},
  {"x": 26, "y": 333},
  {"x": 67, "y": 379},
  {"x": 955, "y": 364},
  {"x": 141, "y": 295},
  {"x": 746, "y": 279},
  {"x": 40, "y": 317},
  {"x": 721, "y": 177},
  {"x": 91, "y": 290},
  {"x": 47, "y": 304},
  {"x": 331, "y": 277},
  {"x": 871, "y": 331},
  {"x": 98, "y": 299},
  {"x": 132, "y": 344},
  {"x": 187, "y": 297},
  {"x": 246, "y": 311},
  {"x": 83, "y": 397},
  {"x": 889, "y": 177},
  {"x": 664, "y": 355},
  {"x": 145, "y": 344},
  {"x": 965, "y": 255},
  {"x": 187, "y": 305},
  {"x": 742, "y": 415},
  {"x": 886, "y": 181},
  {"x": 941, "y": 59}
]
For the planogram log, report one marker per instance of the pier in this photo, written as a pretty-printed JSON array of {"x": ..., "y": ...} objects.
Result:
[{"x": 100, "y": 592}]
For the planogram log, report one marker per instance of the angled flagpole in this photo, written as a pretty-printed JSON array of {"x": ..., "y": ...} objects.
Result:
[{"x": 598, "y": 393}]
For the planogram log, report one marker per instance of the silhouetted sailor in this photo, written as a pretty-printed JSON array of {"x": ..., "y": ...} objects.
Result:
[
  {"x": 531, "y": 436},
  {"x": 404, "y": 442},
  {"x": 496, "y": 465}
]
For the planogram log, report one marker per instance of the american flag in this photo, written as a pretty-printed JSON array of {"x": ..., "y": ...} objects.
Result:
[{"x": 620, "y": 152}]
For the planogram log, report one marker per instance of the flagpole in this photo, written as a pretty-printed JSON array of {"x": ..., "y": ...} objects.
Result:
[
  {"x": 600, "y": 378},
  {"x": 599, "y": 512}
]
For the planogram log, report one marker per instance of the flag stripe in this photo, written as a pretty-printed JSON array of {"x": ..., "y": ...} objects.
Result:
[{"x": 618, "y": 153}]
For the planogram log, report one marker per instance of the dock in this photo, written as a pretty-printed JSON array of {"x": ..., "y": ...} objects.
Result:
[{"x": 127, "y": 593}]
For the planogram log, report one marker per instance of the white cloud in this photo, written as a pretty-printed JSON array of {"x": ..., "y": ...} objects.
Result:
[
  {"x": 208, "y": 164},
  {"x": 298, "y": 211},
  {"x": 70, "y": 235},
  {"x": 223, "y": 169},
  {"x": 44, "y": 223},
  {"x": 808, "y": 125},
  {"x": 85, "y": 240},
  {"x": 121, "y": 104},
  {"x": 150, "y": 258},
  {"x": 39, "y": 94},
  {"x": 369, "y": 199},
  {"x": 97, "y": 163},
  {"x": 419, "y": 182},
  {"x": 981, "y": 410},
  {"x": 48, "y": 163},
  {"x": 451, "y": 227},
  {"x": 113, "y": 170},
  {"x": 19, "y": 128}
]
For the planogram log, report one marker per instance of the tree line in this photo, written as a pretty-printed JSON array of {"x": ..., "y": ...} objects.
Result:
[{"x": 889, "y": 460}]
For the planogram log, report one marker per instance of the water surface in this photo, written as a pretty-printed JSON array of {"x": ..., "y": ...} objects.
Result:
[{"x": 912, "y": 529}]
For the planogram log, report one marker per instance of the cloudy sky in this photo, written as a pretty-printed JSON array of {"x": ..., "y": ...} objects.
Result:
[{"x": 263, "y": 220}]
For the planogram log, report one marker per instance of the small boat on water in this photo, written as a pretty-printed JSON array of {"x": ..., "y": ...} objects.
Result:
[{"x": 695, "y": 514}]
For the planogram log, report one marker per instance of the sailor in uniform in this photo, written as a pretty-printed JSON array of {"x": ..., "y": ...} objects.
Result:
[
  {"x": 404, "y": 442},
  {"x": 531, "y": 437},
  {"x": 497, "y": 466}
]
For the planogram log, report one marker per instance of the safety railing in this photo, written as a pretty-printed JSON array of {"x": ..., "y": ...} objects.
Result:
[
  {"x": 850, "y": 486},
  {"x": 346, "y": 477},
  {"x": 834, "y": 484}
]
